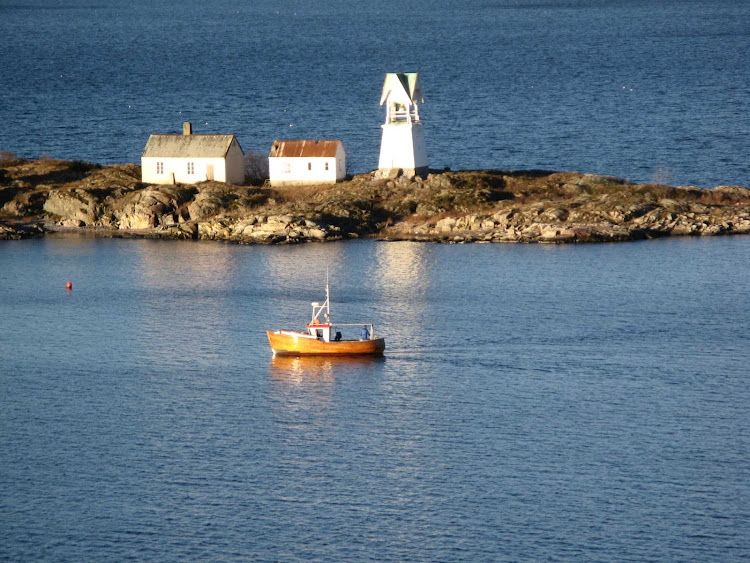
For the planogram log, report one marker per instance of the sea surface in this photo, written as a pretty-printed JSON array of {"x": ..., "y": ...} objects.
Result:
[
  {"x": 582, "y": 402},
  {"x": 640, "y": 89}
]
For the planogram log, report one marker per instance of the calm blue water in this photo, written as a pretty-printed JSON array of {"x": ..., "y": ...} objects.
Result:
[
  {"x": 585, "y": 402},
  {"x": 616, "y": 87}
]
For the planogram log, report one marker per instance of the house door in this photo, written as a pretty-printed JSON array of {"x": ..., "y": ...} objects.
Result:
[{"x": 209, "y": 171}]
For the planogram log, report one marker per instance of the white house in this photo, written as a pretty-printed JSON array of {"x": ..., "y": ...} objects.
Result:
[
  {"x": 188, "y": 158},
  {"x": 306, "y": 162},
  {"x": 402, "y": 144}
]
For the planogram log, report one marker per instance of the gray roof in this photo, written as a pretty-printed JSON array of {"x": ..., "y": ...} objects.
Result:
[{"x": 188, "y": 146}]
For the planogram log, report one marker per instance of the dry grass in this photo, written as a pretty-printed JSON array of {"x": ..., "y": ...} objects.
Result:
[
  {"x": 9, "y": 158},
  {"x": 301, "y": 193}
]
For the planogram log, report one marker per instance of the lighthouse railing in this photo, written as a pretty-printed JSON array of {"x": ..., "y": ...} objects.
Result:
[{"x": 403, "y": 115}]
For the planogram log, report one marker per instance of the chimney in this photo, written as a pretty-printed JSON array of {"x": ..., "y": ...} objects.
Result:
[{"x": 187, "y": 128}]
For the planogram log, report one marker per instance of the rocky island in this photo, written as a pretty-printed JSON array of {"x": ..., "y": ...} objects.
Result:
[{"x": 49, "y": 195}]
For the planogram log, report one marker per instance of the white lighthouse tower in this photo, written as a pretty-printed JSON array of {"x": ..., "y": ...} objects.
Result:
[{"x": 402, "y": 145}]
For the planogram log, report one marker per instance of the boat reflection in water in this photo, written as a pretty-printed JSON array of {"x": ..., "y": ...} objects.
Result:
[
  {"x": 309, "y": 387},
  {"x": 321, "y": 368}
]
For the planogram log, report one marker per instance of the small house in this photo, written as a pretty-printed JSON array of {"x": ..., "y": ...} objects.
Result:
[
  {"x": 188, "y": 158},
  {"x": 306, "y": 162}
]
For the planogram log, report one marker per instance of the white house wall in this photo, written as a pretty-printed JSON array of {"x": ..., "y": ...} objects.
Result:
[
  {"x": 341, "y": 160},
  {"x": 231, "y": 170},
  {"x": 285, "y": 170},
  {"x": 235, "y": 165}
]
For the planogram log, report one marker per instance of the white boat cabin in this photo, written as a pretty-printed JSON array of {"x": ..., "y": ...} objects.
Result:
[{"x": 323, "y": 329}]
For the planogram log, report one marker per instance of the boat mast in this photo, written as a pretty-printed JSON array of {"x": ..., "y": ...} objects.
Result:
[{"x": 328, "y": 300}]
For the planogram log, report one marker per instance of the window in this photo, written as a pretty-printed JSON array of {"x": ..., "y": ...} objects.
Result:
[
  {"x": 326, "y": 166},
  {"x": 160, "y": 168},
  {"x": 309, "y": 165},
  {"x": 191, "y": 167}
]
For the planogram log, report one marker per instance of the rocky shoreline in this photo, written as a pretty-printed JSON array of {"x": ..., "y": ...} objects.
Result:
[{"x": 46, "y": 195}]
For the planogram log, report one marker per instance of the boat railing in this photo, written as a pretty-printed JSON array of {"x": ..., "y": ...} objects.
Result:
[{"x": 370, "y": 327}]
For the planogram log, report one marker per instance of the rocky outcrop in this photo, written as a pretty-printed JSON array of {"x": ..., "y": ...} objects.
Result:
[
  {"x": 147, "y": 209},
  {"x": 264, "y": 229},
  {"x": 579, "y": 212},
  {"x": 73, "y": 208},
  {"x": 20, "y": 231},
  {"x": 467, "y": 206},
  {"x": 579, "y": 225}
]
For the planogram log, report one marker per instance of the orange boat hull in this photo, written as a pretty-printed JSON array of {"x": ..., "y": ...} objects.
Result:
[{"x": 291, "y": 345}]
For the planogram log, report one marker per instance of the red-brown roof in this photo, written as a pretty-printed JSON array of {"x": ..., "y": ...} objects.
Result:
[{"x": 304, "y": 149}]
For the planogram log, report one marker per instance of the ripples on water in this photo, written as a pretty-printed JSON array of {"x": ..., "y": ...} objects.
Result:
[{"x": 535, "y": 402}]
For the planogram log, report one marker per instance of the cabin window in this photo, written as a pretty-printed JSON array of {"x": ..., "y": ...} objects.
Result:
[
  {"x": 309, "y": 165},
  {"x": 191, "y": 167},
  {"x": 160, "y": 168},
  {"x": 326, "y": 166}
]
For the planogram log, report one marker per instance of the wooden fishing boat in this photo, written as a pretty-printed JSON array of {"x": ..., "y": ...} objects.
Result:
[{"x": 323, "y": 337}]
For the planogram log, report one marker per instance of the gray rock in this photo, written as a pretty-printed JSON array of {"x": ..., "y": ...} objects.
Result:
[
  {"x": 445, "y": 225},
  {"x": 67, "y": 206},
  {"x": 318, "y": 234},
  {"x": 204, "y": 205},
  {"x": 556, "y": 214},
  {"x": 14, "y": 207},
  {"x": 503, "y": 217}
]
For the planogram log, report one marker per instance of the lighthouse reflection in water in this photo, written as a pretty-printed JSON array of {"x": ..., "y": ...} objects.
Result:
[{"x": 533, "y": 402}]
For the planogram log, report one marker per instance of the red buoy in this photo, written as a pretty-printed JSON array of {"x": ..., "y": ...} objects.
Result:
[{"x": 69, "y": 286}]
